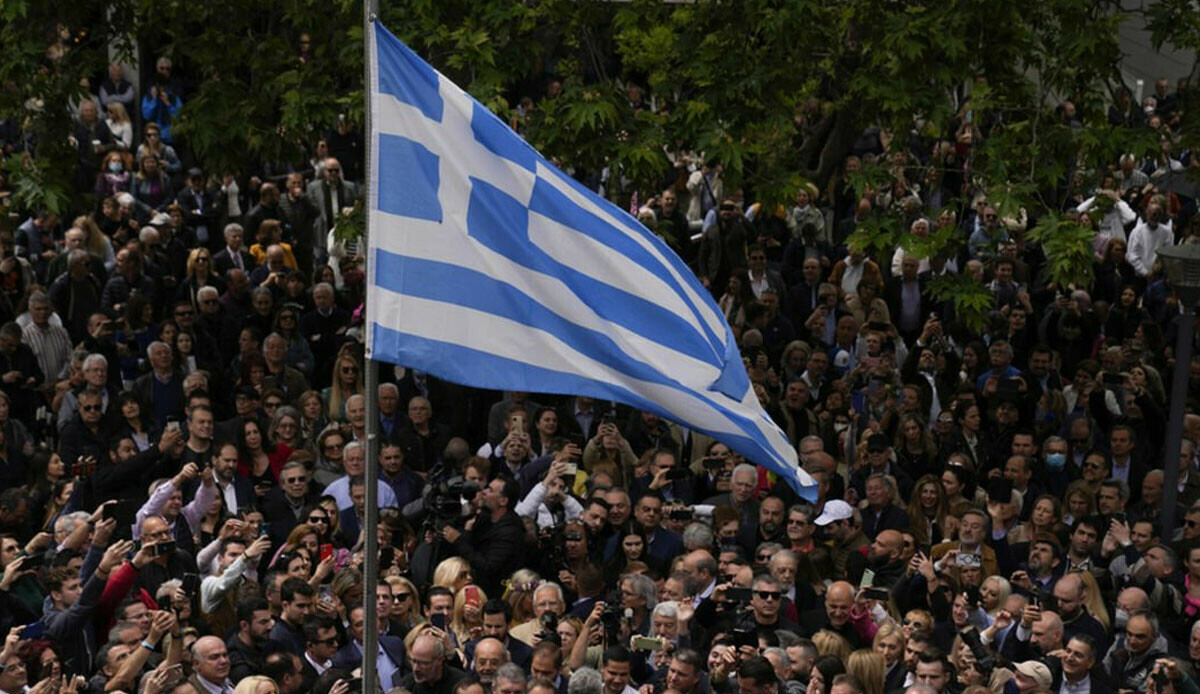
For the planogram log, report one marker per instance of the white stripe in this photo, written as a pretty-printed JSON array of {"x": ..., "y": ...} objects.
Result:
[
  {"x": 476, "y": 330},
  {"x": 430, "y": 241}
]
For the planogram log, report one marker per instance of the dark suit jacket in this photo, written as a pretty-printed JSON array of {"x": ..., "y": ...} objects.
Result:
[
  {"x": 350, "y": 657},
  {"x": 519, "y": 652},
  {"x": 893, "y": 295},
  {"x": 223, "y": 261},
  {"x": 143, "y": 387},
  {"x": 278, "y": 513}
]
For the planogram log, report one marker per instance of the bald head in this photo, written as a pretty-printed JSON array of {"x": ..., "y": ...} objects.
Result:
[
  {"x": 1132, "y": 599},
  {"x": 838, "y": 601},
  {"x": 840, "y": 590},
  {"x": 891, "y": 542},
  {"x": 823, "y": 460}
]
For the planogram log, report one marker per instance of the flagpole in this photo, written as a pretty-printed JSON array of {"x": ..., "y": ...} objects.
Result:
[{"x": 370, "y": 564}]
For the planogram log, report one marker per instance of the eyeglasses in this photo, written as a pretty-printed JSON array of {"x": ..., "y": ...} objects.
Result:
[
  {"x": 764, "y": 557},
  {"x": 318, "y": 519},
  {"x": 768, "y": 594},
  {"x": 334, "y": 446},
  {"x": 1092, "y": 466},
  {"x": 90, "y": 408},
  {"x": 1191, "y": 523},
  {"x": 573, "y": 538},
  {"x": 286, "y": 316},
  {"x": 295, "y": 480}
]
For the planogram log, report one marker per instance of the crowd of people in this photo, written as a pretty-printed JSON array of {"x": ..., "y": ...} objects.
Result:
[{"x": 183, "y": 427}]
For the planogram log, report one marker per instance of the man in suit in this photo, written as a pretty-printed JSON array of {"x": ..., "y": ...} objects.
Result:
[
  {"x": 200, "y": 210},
  {"x": 283, "y": 505},
  {"x": 161, "y": 390},
  {"x": 804, "y": 297},
  {"x": 759, "y": 277},
  {"x": 907, "y": 301},
  {"x": 237, "y": 491},
  {"x": 496, "y": 616},
  {"x": 234, "y": 254},
  {"x": 210, "y": 666},
  {"x": 321, "y": 643},
  {"x": 661, "y": 543},
  {"x": 390, "y": 661},
  {"x": 330, "y": 194},
  {"x": 324, "y": 328},
  {"x": 582, "y": 416},
  {"x": 657, "y": 482}
]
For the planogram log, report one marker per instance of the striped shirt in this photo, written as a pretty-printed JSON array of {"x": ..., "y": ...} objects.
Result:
[{"x": 51, "y": 345}]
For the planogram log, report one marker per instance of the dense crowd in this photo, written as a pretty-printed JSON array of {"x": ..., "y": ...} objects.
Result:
[{"x": 182, "y": 420}]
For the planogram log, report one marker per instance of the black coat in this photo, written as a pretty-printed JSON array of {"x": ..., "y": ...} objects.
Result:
[{"x": 494, "y": 549}]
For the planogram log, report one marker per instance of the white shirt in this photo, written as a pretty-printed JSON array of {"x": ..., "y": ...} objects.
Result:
[
  {"x": 1112, "y": 225},
  {"x": 1144, "y": 243},
  {"x": 1084, "y": 686},
  {"x": 319, "y": 667},
  {"x": 851, "y": 275},
  {"x": 339, "y": 489}
]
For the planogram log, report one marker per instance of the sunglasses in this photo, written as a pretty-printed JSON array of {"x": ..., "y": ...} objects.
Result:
[
  {"x": 90, "y": 408},
  {"x": 295, "y": 480},
  {"x": 334, "y": 446},
  {"x": 401, "y": 597},
  {"x": 318, "y": 519},
  {"x": 768, "y": 594}
]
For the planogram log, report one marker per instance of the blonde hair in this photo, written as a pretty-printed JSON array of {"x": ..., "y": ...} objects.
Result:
[
  {"x": 889, "y": 630},
  {"x": 117, "y": 112},
  {"x": 337, "y": 399},
  {"x": 97, "y": 243},
  {"x": 520, "y": 586},
  {"x": 458, "y": 621},
  {"x": 831, "y": 643},
  {"x": 249, "y": 685},
  {"x": 448, "y": 571},
  {"x": 868, "y": 667},
  {"x": 191, "y": 261},
  {"x": 1094, "y": 600}
]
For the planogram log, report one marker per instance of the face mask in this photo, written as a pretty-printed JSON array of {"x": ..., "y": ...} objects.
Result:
[
  {"x": 1122, "y": 618},
  {"x": 1056, "y": 461},
  {"x": 115, "y": 167}
]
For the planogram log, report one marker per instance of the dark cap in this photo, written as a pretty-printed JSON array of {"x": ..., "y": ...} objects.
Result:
[
  {"x": 877, "y": 443},
  {"x": 999, "y": 490},
  {"x": 195, "y": 172}
]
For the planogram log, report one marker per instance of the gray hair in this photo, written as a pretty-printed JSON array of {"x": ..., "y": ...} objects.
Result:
[
  {"x": 233, "y": 226},
  {"x": 76, "y": 257},
  {"x": 585, "y": 680},
  {"x": 95, "y": 358},
  {"x": 551, "y": 585},
  {"x": 784, "y": 554},
  {"x": 510, "y": 672},
  {"x": 644, "y": 587},
  {"x": 114, "y": 634},
  {"x": 744, "y": 468},
  {"x": 207, "y": 291},
  {"x": 778, "y": 652},
  {"x": 166, "y": 590},
  {"x": 389, "y": 386},
  {"x": 697, "y": 536},
  {"x": 353, "y": 446},
  {"x": 157, "y": 344},
  {"x": 668, "y": 609},
  {"x": 67, "y": 523}
]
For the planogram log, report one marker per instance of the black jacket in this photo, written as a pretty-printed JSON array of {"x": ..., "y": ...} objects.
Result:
[{"x": 494, "y": 549}]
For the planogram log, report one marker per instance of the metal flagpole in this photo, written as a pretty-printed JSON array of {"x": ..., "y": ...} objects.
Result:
[{"x": 370, "y": 676}]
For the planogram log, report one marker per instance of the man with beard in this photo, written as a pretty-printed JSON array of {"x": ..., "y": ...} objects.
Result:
[
  {"x": 722, "y": 247},
  {"x": 885, "y": 557},
  {"x": 247, "y": 645},
  {"x": 834, "y": 615},
  {"x": 795, "y": 417},
  {"x": 769, "y": 528},
  {"x": 1042, "y": 565}
]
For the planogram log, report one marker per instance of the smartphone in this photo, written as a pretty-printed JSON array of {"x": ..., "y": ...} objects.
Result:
[
  {"x": 868, "y": 579},
  {"x": 191, "y": 583},
  {"x": 34, "y": 561},
  {"x": 162, "y": 549},
  {"x": 387, "y": 557},
  {"x": 967, "y": 559},
  {"x": 876, "y": 594},
  {"x": 682, "y": 514},
  {"x": 326, "y": 551},
  {"x": 647, "y": 643},
  {"x": 325, "y": 594},
  {"x": 745, "y": 637},
  {"x": 438, "y": 620},
  {"x": 576, "y": 439},
  {"x": 678, "y": 473},
  {"x": 877, "y": 326},
  {"x": 472, "y": 595},
  {"x": 738, "y": 594},
  {"x": 34, "y": 630},
  {"x": 570, "y": 470}
]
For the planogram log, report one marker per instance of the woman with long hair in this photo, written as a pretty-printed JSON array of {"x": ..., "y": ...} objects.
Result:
[
  {"x": 200, "y": 273},
  {"x": 466, "y": 620},
  {"x": 96, "y": 243},
  {"x": 312, "y": 416},
  {"x": 135, "y": 420},
  {"x": 185, "y": 352},
  {"x": 212, "y": 520},
  {"x": 889, "y": 643},
  {"x": 299, "y": 354},
  {"x": 345, "y": 381},
  {"x": 151, "y": 186},
  {"x": 153, "y": 145},
  {"x": 974, "y": 362},
  {"x": 993, "y": 594},
  {"x": 406, "y": 604},
  {"x": 916, "y": 451},
  {"x": 519, "y": 594},
  {"x": 117, "y": 120},
  {"x": 927, "y": 511},
  {"x": 1080, "y": 502},
  {"x": 869, "y": 668},
  {"x": 968, "y": 436},
  {"x": 260, "y": 459},
  {"x": 453, "y": 573},
  {"x": 545, "y": 423},
  {"x": 45, "y": 469},
  {"x": 113, "y": 176}
]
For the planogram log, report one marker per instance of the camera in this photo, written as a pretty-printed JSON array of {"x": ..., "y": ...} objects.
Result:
[
  {"x": 552, "y": 546},
  {"x": 682, "y": 513},
  {"x": 549, "y": 622},
  {"x": 445, "y": 497},
  {"x": 985, "y": 660},
  {"x": 610, "y": 619}
]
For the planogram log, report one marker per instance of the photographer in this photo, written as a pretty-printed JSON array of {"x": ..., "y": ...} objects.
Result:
[
  {"x": 492, "y": 541},
  {"x": 549, "y": 502}
]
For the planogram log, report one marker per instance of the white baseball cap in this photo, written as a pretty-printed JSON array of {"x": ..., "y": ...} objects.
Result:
[{"x": 834, "y": 510}]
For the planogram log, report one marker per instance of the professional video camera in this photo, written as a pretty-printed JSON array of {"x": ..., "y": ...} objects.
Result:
[
  {"x": 985, "y": 660},
  {"x": 552, "y": 546},
  {"x": 446, "y": 497}
]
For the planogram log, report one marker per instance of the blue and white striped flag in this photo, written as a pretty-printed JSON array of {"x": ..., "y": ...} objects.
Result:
[{"x": 490, "y": 267}]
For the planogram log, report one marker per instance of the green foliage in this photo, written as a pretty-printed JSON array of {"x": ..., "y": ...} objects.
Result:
[
  {"x": 1068, "y": 248},
  {"x": 972, "y": 300}
]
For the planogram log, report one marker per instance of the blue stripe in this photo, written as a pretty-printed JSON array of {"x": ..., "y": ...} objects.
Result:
[
  {"x": 408, "y": 179},
  {"x": 405, "y": 76},
  {"x": 553, "y": 203},
  {"x": 472, "y": 289},
  {"x": 501, "y": 223},
  {"x": 499, "y": 139},
  {"x": 465, "y": 365}
]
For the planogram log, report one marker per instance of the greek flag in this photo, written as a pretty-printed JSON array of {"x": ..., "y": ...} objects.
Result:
[{"x": 490, "y": 267}]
